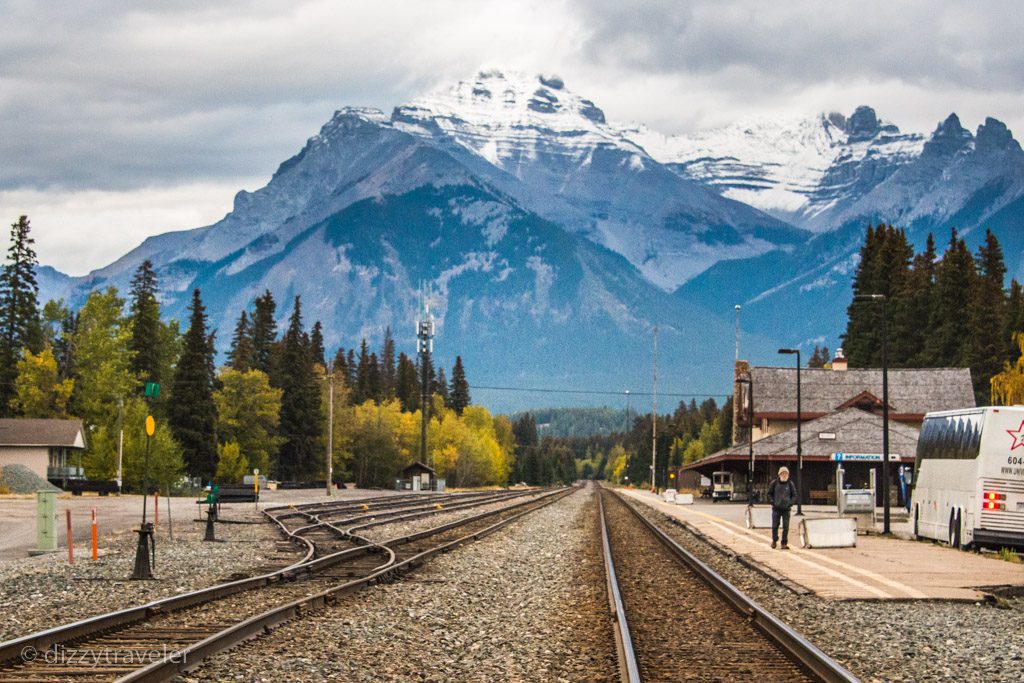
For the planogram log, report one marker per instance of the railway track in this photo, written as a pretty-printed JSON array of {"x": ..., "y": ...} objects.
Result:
[
  {"x": 677, "y": 620},
  {"x": 156, "y": 641}
]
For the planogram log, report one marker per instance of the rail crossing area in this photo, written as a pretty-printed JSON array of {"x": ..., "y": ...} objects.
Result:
[{"x": 580, "y": 583}]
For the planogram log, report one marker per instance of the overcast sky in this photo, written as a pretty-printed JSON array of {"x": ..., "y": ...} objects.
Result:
[{"x": 116, "y": 124}]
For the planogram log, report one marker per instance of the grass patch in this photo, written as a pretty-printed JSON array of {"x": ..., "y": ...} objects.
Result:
[{"x": 1008, "y": 555}]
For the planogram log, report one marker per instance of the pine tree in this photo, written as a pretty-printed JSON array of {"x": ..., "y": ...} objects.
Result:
[
  {"x": 191, "y": 411},
  {"x": 524, "y": 430},
  {"x": 883, "y": 269},
  {"x": 948, "y": 342},
  {"x": 387, "y": 365},
  {"x": 910, "y": 315},
  {"x": 362, "y": 391},
  {"x": 460, "y": 387},
  {"x": 240, "y": 355},
  {"x": 1014, "y": 320},
  {"x": 145, "y": 324},
  {"x": 302, "y": 418},
  {"x": 374, "y": 380},
  {"x": 350, "y": 364},
  {"x": 316, "y": 344},
  {"x": 407, "y": 384},
  {"x": 20, "y": 326},
  {"x": 987, "y": 317},
  {"x": 341, "y": 365},
  {"x": 440, "y": 388},
  {"x": 264, "y": 334}
]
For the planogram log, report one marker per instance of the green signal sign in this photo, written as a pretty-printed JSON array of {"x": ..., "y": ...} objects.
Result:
[{"x": 152, "y": 390}]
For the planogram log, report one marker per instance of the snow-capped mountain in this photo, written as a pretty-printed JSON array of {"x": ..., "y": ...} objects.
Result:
[
  {"x": 556, "y": 239},
  {"x": 798, "y": 169},
  {"x": 556, "y": 154}
]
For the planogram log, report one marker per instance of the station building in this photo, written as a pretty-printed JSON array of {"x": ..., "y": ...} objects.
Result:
[
  {"x": 841, "y": 422},
  {"x": 50, "y": 448}
]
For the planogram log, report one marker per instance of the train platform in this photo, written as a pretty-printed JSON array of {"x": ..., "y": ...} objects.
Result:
[{"x": 878, "y": 568}]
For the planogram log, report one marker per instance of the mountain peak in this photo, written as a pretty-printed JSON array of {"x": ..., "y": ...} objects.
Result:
[{"x": 863, "y": 124}]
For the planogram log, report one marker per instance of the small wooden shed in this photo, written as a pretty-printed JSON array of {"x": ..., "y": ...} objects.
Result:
[{"x": 418, "y": 477}]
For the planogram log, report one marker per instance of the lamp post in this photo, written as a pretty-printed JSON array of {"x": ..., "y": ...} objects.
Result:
[
  {"x": 885, "y": 410},
  {"x": 750, "y": 438},
  {"x": 799, "y": 439}
]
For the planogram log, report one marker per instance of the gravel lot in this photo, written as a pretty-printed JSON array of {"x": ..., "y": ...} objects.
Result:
[
  {"x": 41, "y": 592},
  {"x": 885, "y": 641},
  {"x": 525, "y": 604}
]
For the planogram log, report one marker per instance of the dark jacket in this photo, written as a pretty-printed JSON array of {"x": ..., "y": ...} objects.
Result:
[{"x": 782, "y": 495}]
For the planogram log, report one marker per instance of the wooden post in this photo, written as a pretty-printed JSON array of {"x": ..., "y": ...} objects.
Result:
[
  {"x": 71, "y": 540},
  {"x": 170, "y": 522},
  {"x": 95, "y": 538}
]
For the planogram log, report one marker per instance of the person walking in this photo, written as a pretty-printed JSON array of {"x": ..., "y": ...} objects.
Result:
[{"x": 782, "y": 495}]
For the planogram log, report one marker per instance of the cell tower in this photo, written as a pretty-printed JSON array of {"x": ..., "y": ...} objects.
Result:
[{"x": 425, "y": 347}]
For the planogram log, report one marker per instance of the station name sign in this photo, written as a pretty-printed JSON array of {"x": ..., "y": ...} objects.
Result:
[{"x": 863, "y": 457}]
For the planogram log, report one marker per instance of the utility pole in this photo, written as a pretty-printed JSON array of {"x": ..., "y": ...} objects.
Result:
[
  {"x": 654, "y": 415},
  {"x": 737, "y": 331},
  {"x": 425, "y": 337},
  {"x": 330, "y": 427},
  {"x": 120, "y": 441}
]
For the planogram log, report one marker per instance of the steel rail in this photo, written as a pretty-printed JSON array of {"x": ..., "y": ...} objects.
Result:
[
  {"x": 40, "y": 641},
  {"x": 629, "y": 669},
  {"x": 796, "y": 647},
  {"x": 190, "y": 657}
]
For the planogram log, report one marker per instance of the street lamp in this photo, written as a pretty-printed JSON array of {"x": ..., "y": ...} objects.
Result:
[
  {"x": 885, "y": 410},
  {"x": 750, "y": 438},
  {"x": 799, "y": 440}
]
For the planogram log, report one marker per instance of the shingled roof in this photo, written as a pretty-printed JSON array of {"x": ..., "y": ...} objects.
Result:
[
  {"x": 855, "y": 430},
  {"x": 911, "y": 391},
  {"x": 37, "y": 432}
]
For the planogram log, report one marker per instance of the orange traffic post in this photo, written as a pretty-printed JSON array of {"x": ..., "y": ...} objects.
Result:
[
  {"x": 95, "y": 538},
  {"x": 71, "y": 541}
]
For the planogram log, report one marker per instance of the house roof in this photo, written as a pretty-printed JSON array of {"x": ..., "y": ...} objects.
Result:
[
  {"x": 418, "y": 467},
  {"x": 911, "y": 391},
  {"x": 855, "y": 431},
  {"x": 37, "y": 432}
]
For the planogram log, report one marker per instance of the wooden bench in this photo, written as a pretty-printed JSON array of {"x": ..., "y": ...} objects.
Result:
[{"x": 823, "y": 497}]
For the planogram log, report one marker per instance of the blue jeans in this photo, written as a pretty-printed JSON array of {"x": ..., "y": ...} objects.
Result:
[{"x": 782, "y": 515}]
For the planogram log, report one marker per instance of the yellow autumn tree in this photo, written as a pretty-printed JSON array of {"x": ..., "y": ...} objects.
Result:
[
  {"x": 1008, "y": 386},
  {"x": 39, "y": 391}
]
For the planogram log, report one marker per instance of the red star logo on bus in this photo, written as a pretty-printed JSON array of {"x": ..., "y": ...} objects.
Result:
[{"x": 1018, "y": 436}]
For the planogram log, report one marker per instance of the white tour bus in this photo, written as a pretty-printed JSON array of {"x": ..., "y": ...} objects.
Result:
[{"x": 969, "y": 477}]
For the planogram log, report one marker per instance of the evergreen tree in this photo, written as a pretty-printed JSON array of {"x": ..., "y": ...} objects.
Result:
[
  {"x": 302, "y": 419},
  {"x": 192, "y": 411},
  {"x": 407, "y": 384},
  {"x": 883, "y": 269},
  {"x": 949, "y": 331},
  {"x": 1014, "y": 320},
  {"x": 145, "y": 324},
  {"x": 58, "y": 331},
  {"x": 819, "y": 357},
  {"x": 316, "y": 344},
  {"x": 910, "y": 315},
  {"x": 352, "y": 367},
  {"x": 362, "y": 388},
  {"x": 987, "y": 350},
  {"x": 440, "y": 388},
  {"x": 240, "y": 355},
  {"x": 387, "y": 365},
  {"x": 374, "y": 380},
  {"x": 20, "y": 327},
  {"x": 341, "y": 365},
  {"x": 524, "y": 430},
  {"x": 460, "y": 387},
  {"x": 264, "y": 334}
]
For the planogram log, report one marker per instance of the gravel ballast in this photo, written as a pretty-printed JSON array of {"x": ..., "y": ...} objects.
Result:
[
  {"x": 46, "y": 591},
  {"x": 883, "y": 641},
  {"x": 525, "y": 604}
]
